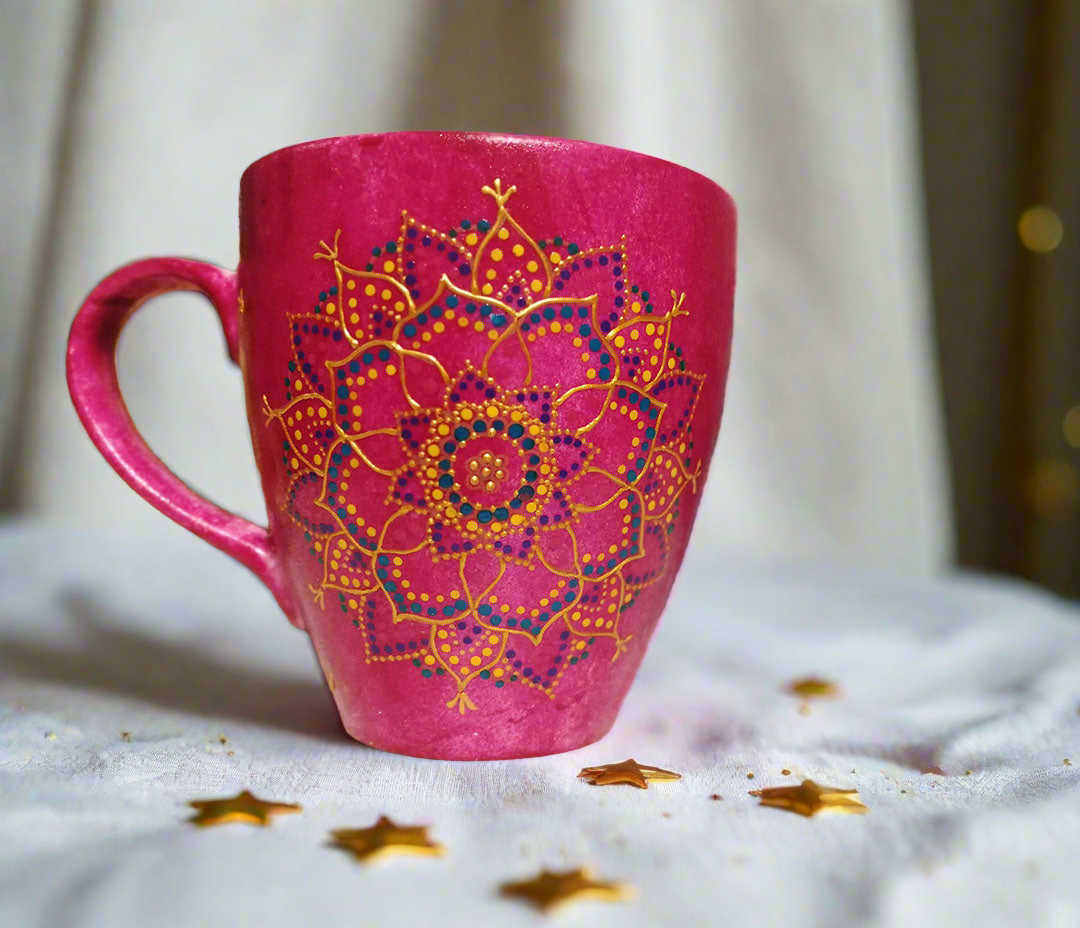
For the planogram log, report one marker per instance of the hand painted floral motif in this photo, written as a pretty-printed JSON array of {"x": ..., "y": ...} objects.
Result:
[{"x": 487, "y": 438}]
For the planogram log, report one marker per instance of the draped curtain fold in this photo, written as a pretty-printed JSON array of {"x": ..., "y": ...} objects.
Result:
[{"x": 127, "y": 126}]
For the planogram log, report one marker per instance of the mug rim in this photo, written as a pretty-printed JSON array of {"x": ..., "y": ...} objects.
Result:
[{"x": 482, "y": 137}]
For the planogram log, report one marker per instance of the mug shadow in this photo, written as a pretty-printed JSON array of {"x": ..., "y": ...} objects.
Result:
[{"x": 127, "y": 662}]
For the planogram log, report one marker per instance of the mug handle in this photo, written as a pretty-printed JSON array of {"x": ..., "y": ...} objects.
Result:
[{"x": 95, "y": 391}]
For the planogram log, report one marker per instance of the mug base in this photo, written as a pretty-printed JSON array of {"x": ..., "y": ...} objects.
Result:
[{"x": 480, "y": 746}]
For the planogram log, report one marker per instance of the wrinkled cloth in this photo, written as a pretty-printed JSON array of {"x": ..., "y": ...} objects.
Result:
[{"x": 140, "y": 673}]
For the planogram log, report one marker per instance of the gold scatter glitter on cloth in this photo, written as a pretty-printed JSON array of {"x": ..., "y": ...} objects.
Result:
[
  {"x": 813, "y": 688},
  {"x": 244, "y": 808},
  {"x": 627, "y": 771},
  {"x": 384, "y": 839},
  {"x": 125, "y": 736},
  {"x": 550, "y": 890},
  {"x": 808, "y": 798},
  {"x": 716, "y": 797},
  {"x": 749, "y": 776},
  {"x": 1067, "y": 762},
  {"x": 785, "y": 772}
]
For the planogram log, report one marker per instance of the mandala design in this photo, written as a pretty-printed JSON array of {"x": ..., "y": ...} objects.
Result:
[{"x": 487, "y": 437}]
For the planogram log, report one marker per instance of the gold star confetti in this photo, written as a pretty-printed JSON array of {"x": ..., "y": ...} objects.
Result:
[
  {"x": 241, "y": 808},
  {"x": 384, "y": 839},
  {"x": 808, "y": 798},
  {"x": 627, "y": 771},
  {"x": 550, "y": 890},
  {"x": 812, "y": 688}
]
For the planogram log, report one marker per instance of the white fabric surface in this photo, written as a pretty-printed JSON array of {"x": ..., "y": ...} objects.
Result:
[
  {"x": 172, "y": 643},
  {"x": 832, "y": 445}
]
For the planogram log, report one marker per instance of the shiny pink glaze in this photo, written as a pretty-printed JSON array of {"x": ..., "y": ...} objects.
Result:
[{"x": 484, "y": 378}]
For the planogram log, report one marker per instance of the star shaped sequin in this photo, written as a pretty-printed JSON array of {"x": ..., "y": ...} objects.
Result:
[
  {"x": 813, "y": 688},
  {"x": 384, "y": 839},
  {"x": 243, "y": 807},
  {"x": 627, "y": 771},
  {"x": 808, "y": 798},
  {"x": 550, "y": 890}
]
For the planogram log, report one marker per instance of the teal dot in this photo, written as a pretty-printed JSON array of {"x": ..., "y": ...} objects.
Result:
[
  {"x": 502, "y": 514},
  {"x": 425, "y": 673},
  {"x": 500, "y": 683},
  {"x": 461, "y": 433},
  {"x": 516, "y": 430},
  {"x": 573, "y": 248},
  {"x": 483, "y": 516},
  {"x": 410, "y": 330},
  {"x": 485, "y": 674}
]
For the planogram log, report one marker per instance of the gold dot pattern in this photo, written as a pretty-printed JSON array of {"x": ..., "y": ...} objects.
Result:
[{"x": 473, "y": 526}]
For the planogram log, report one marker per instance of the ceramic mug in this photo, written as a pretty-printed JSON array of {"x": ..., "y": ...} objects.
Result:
[{"x": 484, "y": 376}]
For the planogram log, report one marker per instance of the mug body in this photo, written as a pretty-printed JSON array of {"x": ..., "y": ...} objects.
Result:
[{"x": 484, "y": 376}]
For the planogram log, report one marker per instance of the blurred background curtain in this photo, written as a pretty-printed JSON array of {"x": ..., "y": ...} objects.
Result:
[{"x": 126, "y": 126}]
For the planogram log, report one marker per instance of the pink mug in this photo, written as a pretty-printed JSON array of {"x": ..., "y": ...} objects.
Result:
[{"x": 484, "y": 378}]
